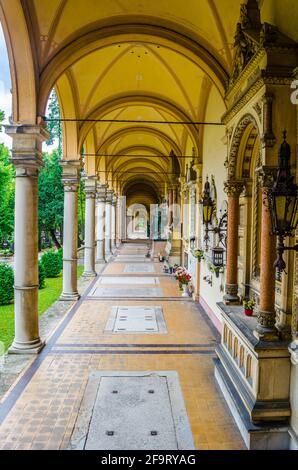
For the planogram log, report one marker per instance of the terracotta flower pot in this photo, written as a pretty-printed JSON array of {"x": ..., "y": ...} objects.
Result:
[{"x": 248, "y": 312}]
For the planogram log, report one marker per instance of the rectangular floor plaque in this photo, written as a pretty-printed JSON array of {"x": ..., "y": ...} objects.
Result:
[
  {"x": 140, "y": 319},
  {"x": 128, "y": 280},
  {"x": 132, "y": 411},
  {"x": 139, "y": 268},
  {"x": 127, "y": 292}
]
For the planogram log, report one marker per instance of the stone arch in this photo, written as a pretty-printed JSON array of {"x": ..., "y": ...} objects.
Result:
[
  {"x": 235, "y": 161},
  {"x": 68, "y": 108},
  {"x": 22, "y": 62}
]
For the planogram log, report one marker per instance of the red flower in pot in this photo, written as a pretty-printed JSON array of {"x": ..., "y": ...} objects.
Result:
[{"x": 248, "y": 307}]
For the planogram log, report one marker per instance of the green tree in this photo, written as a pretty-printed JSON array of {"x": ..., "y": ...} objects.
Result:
[
  {"x": 54, "y": 125},
  {"x": 51, "y": 195},
  {"x": 7, "y": 176}
]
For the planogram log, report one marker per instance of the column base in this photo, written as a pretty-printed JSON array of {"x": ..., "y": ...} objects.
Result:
[
  {"x": 70, "y": 297},
  {"x": 266, "y": 334},
  {"x": 31, "y": 347},
  {"x": 89, "y": 274},
  {"x": 265, "y": 329},
  {"x": 231, "y": 297},
  {"x": 100, "y": 261}
]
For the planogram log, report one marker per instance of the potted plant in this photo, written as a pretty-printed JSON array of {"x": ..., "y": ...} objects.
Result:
[
  {"x": 199, "y": 254},
  {"x": 184, "y": 278},
  {"x": 248, "y": 307}
]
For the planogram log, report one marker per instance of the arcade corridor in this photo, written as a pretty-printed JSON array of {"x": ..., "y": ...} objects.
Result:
[{"x": 42, "y": 409}]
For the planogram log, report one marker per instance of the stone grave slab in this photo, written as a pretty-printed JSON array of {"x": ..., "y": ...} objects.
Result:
[
  {"x": 136, "y": 319},
  {"x": 132, "y": 411},
  {"x": 139, "y": 268}
]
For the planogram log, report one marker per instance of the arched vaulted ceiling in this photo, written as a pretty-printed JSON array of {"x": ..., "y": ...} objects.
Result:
[{"x": 130, "y": 60}]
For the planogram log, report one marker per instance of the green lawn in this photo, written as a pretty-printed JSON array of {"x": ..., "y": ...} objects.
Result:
[{"x": 46, "y": 298}]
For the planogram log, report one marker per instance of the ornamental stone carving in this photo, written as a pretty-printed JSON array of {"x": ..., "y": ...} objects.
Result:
[{"x": 234, "y": 188}]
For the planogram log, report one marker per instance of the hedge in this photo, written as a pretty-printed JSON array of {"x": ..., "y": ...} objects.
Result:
[
  {"x": 6, "y": 284},
  {"x": 51, "y": 261},
  {"x": 41, "y": 275}
]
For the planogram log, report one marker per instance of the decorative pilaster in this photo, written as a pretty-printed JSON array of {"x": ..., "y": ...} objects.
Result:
[
  {"x": 100, "y": 228},
  {"x": 268, "y": 138},
  {"x": 170, "y": 208},
  {"x": 266, "y": 329},
  {"x": 27, "y": 159},
  {"x": 233, "y": 189},
  {"x": 89, "y": 259},
  {"x": 70, "y": 179},
  {"x": 109, "y": 197}
]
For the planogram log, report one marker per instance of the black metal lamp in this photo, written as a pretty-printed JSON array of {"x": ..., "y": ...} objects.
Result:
[
  {"x": 283, "y": 203},
  {"x": 218, "y": 256},
  {"x": 208, "y": 212},
  {"x": 208, "y": 208},
  {"x": 207, "y": 203}
]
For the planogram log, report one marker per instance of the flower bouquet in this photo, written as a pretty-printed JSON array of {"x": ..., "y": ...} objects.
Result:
[{"x": 184, "y": 278}]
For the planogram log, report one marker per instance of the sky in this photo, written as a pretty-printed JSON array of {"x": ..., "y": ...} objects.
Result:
[{"x": 5, "y": 87}]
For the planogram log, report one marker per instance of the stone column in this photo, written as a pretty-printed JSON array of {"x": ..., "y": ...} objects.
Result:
[
  {"x": 100, "y": 229},
  {"x": 108, "y": 224},
  {"x": 113, "y": 223},
  {"x": 170, "y": 208},
  {"x": 198, "y": 228},
  {"x": 233, "y": 190},
  {"x": 27, "y": 159},
  {"x": 118, "y": 222},
  {"x": 89, "y": 258},
  {"x": 70, "y": 179},
  {"x": 266, "y": 329}
]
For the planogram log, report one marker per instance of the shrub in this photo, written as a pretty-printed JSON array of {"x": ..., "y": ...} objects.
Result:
[
  {"x": 6, "y": 284},
  {"x": 41, "y": 275},
  {"x": 52, "y": 263},
  {"x": 60, "y": 253}
]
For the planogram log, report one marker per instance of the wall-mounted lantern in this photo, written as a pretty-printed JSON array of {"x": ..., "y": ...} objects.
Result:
[
  {"x": 208, "y": 206},
  {"x": 218, "y": 256},
  {"x": 283, "y": 204}
]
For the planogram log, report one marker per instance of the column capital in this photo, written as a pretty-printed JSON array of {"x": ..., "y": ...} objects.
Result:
[
  {"x": 101, "y": 192},
  {"x": 114, "y": 199},
  {"x": 71, "y": 174},
  {"x": 90, "y": 186},
  {"x": 27, "y": 144},
  {"x": 109, "y": 197},
  {"x": 234, "y": 187},
  {"x": 266, "y": 176}
]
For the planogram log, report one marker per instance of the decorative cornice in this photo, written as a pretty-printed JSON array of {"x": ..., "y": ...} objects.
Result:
[{"x": 249, "y": 92}]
